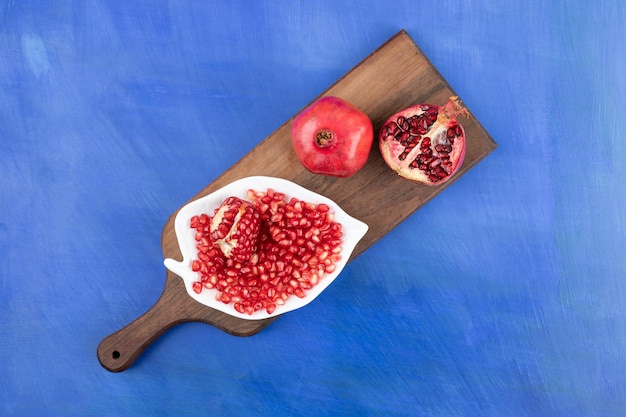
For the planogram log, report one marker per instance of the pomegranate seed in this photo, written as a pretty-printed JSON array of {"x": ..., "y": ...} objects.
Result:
[{"x": 298, "y": 243}]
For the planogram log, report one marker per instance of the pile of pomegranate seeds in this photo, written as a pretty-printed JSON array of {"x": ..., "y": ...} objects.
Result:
[{"x": 298, "y": 244}]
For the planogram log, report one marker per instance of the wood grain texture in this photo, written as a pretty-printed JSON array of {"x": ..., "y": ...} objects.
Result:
[{"x": 377, "y": 89}]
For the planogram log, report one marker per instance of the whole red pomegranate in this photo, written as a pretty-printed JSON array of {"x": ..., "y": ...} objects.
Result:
[
  {"x": 332, "y": 137},
  {"x": 235, "y": 229},
  {"x": 425, "y": 143}
]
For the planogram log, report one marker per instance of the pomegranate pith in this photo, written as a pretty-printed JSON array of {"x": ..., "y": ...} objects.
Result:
[{"x": 425, "y": 143}]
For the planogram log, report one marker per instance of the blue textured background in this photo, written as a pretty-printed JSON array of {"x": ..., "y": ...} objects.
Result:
[{"x": 504, "y": 296}]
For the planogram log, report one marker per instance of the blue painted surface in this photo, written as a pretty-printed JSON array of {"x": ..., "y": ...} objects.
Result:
[{"x": 504, "y": 296}]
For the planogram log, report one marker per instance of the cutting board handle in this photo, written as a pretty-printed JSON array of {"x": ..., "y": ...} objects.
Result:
[{"x": 119, "y": 350}]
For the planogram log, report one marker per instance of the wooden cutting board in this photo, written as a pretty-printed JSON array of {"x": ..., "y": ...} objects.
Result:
[{"x": 375, "y": 195}]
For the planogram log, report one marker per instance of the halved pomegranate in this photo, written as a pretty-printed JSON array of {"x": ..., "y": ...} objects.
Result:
[
  {"x": 425, "y": 143},
  {"x": 235, "y": 229}
]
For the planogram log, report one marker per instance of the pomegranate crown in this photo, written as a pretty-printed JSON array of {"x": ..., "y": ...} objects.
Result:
[{"x": 453, "y": 107}]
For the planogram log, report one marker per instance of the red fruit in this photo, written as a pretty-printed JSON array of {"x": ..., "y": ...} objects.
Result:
[
  {"x": 235, "y": 229},
  {"x": 425, "y": 143},
  {"x": 332, "y": 137}
]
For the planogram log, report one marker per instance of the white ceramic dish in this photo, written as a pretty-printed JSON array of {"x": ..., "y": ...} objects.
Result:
[{"x": 353, "y": 231}]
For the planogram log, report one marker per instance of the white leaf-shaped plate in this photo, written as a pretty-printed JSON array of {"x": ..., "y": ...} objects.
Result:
[{"x": 353, "y": 231}]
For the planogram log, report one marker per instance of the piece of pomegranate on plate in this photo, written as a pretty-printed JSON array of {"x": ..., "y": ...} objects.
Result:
[
  {"x": 425, "y": 143},
  {"x": 234, "y": 229}
]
